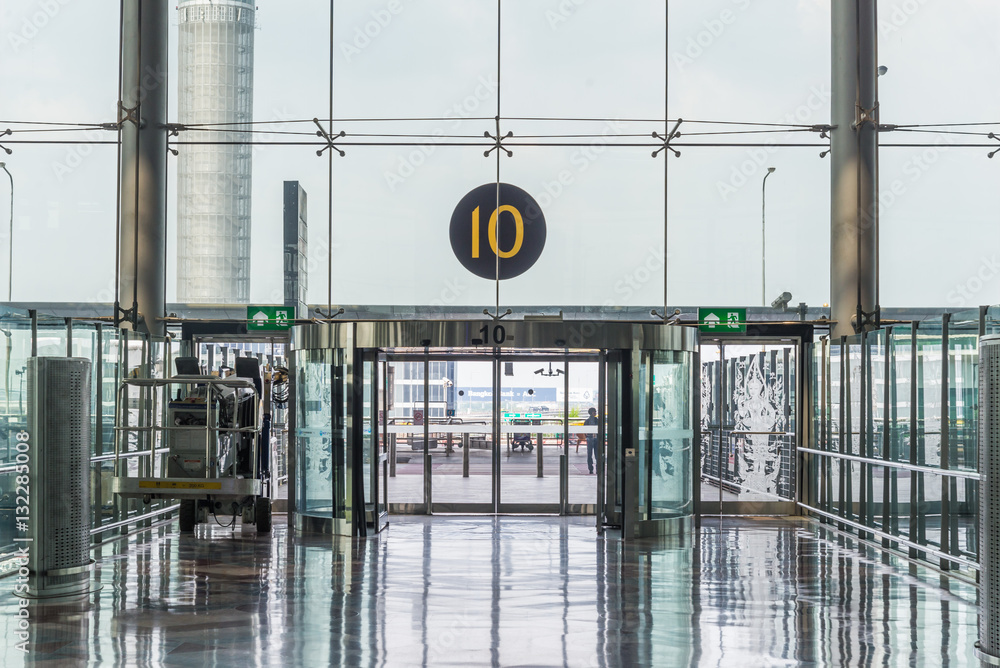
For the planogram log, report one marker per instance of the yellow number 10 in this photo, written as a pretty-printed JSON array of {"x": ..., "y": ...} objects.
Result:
[{"x": 518, "y": 238}]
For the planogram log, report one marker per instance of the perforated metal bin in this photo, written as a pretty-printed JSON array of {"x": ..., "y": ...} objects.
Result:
[
  {"x": 988, "y": 647},
  {"x": 60, "y": 435}
]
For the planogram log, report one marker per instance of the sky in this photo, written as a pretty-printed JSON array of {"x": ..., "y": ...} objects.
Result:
[{"x": 759, "y": 61}]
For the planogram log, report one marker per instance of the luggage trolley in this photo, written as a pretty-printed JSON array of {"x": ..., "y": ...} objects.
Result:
[{"x": 210, "y": 431}]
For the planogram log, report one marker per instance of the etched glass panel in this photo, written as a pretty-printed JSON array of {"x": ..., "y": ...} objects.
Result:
[{"x": 760, "y": 455}]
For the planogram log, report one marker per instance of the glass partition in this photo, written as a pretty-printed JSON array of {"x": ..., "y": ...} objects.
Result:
[
  {"x": 314, "y": 434},
  {"x": 672, "y": 436},
  {"x": 912, "y": 475}
]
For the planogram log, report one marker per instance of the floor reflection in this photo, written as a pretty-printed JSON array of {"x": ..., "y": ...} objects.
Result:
[{"x": 502, "y": 591}]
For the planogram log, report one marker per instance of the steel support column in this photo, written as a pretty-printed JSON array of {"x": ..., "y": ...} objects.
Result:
[
  {"x": 854, "y": 156},
  {"x": 144, "y": 157}
]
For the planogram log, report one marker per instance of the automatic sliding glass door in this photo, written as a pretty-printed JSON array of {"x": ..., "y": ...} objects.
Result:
[{"x": 481, "y": 432}]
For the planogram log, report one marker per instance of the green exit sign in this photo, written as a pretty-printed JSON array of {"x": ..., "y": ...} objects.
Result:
[
  {"x": 722, "y": 320},
  {"x": 269, "y": 318}
]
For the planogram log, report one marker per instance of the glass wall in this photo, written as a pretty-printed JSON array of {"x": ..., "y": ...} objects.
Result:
[
  {"x": 416, "y": 104},
  {"x": 896, "y": 457},
  {"x": 109, "y": 350}
]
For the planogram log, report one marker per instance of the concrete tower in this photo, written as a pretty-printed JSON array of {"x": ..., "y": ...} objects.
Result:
[{"x": 215, "y": 72}]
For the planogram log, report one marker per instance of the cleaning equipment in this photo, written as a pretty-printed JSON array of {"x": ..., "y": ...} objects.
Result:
[{"x": 217, "y": 457}]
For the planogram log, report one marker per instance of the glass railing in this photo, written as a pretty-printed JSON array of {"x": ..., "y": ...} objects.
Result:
[
  {"x": 113, "y": 353},
  {"x": 893, "y": 456}
]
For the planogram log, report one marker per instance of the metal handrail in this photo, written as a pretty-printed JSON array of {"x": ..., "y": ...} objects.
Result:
[
  {"x": 134, "y": 518},
  {"x": 889, "y": 537},
  {"x": 128, "y": 454},
  {"x": 916, "y": 468}
]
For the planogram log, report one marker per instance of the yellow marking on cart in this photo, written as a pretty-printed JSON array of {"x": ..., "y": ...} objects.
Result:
[{"x": 172, "y": 484}]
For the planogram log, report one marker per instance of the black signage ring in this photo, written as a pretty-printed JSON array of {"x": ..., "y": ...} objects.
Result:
[{"x": 484, "y": 235}]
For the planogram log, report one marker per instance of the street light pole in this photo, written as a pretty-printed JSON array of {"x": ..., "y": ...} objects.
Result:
[
  {"x": 763, "y": 239},
  {"x": 10, "y": 265}
]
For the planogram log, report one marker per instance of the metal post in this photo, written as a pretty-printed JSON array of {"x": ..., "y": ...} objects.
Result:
[
  {"x": 465, "y": 455},
  {"x": 428, "y": 489},
  {"x": 538, "y": 458},
  {"x": 10, "y": 240},
  {"x": 33, "y": 315},
  {"x": 763, "y": 238},
  {"x": 854, "y": 156},
  {"x": 564, "y": 458}
]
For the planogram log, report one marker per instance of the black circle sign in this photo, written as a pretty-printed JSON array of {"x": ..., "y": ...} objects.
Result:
[{"x": 481, "y": 231}]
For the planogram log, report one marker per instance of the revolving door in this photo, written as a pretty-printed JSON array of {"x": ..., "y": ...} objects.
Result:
[{"x": 560, "y": 418}]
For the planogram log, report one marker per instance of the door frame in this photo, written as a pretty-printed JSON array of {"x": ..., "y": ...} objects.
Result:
[
  {"x": 496, "y": 504},
  {"x": 718, "y": 507}
]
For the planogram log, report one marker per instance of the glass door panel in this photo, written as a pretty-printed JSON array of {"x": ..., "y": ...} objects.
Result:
[
  {"x": 532, "y": 431},
  {"x": 672, "y": 436},
  {"x": 461, "y": 438},
  {"x": 585, "y": 411},
  {"x": 405, "y": 431},
  {"x": 314, "y": 486}
]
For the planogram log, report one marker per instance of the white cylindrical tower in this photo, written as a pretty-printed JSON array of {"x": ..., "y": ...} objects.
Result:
[{"x": 215, "y": 96}]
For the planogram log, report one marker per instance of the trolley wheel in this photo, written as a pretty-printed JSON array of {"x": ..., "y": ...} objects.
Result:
[
  {"x": 187, "y": 515},
  {"x": 262, "y": 514}
]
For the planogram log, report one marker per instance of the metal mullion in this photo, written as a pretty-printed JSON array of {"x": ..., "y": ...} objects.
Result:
[
  {"x": 945, "y": 426},
  {"x": 99, "y": 424},
  {"x": 428, "y": 484},
  {"x": 372, "y": 358},
  {"x": 842, "y": 442},
  {"x": 602, "y": 398},
  {"x": 390, "y": 453},
  {"x": 824, "y": 428},
  {"x": 864, "y": 445},
  {"x": 888, "y": 475},
  {"x": 790, "y": 455},
  {"x": 724, "y": 408},
  {"x": 913, "y": 531},
  {"x": 613, "y": 489},
  {"x": 564, "y": 459},
  {"x": 495, "y": 487},
  {"x": 649, "y": 435},
  {"x": 694, "y": 383}
]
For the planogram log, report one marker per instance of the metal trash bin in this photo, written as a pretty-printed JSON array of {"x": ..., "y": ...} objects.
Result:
[
  {"x": 59, "y": 437},
  {"x": 988, "y": 647}
]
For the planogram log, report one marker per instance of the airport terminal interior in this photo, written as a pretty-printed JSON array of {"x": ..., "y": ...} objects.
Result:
[{"x": 499, "y": 333}]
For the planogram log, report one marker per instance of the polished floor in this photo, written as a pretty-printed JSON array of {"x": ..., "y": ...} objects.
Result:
[{"x": 501, "y": 591}]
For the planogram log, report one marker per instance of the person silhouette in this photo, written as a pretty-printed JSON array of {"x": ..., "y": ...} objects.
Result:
[{"x": 591, "y": 440}]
